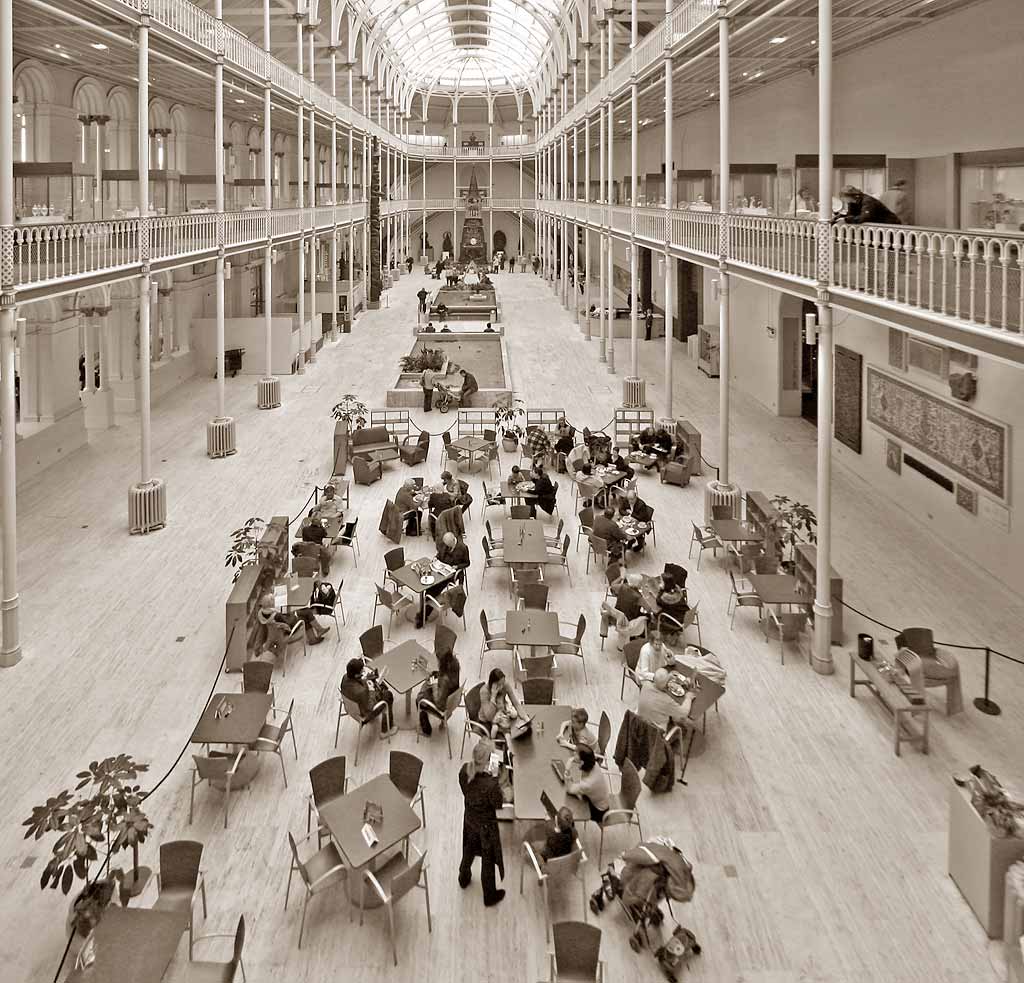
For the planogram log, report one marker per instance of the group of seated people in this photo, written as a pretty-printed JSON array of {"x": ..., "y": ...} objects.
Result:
[
  {"x": 669, "y": 599},
  {"x": 450, "y": 492},
  {"x": 607, "y": 524},
  {"x": 544, "y": 492},
  {"x": 656, "y": 443},
  {"x": 278, "y": 624},
  {"x": 314, "y": 538}
]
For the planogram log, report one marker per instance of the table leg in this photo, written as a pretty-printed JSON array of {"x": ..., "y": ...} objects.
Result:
[
  {"x": 924, "y": 741},
  {"x": 897, "y": 715},
  {"x": 853, "y": 672}
]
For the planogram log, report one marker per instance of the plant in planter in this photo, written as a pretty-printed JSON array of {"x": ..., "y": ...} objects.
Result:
[
  {"x": 426, "y": 358},
  {"x": 508, "y": 410},
  {"x": 108, "y": 811},
  {"x": 351, "y": 410},
  {"x": 244, "y": 548},
  {"x": 796, "y": 523}
]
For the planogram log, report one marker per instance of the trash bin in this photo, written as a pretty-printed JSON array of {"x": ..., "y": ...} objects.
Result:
[{"x": 865, "y": 646}]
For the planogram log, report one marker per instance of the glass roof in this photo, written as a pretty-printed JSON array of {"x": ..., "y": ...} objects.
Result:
[{"x": 470, "y": 44}]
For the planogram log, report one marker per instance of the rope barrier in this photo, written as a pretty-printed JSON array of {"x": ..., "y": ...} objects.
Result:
[
  {"x": 302, "y": 511},
  {"x": 105, "y": 865}
]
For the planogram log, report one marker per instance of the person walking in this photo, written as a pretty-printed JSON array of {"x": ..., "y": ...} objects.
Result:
[
  {"x": 481, "y": 838},
  {"x": 422, "y": 296},
  {"x": 649, "y": 322}
]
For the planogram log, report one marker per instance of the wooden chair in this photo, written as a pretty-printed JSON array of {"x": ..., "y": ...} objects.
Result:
[
  {"x": 519, "y": 512},
  {"x": 598, "y": 550},
  {"x": 707, "y": 541},
  {"x": 394, "y": 881},
  {"x": 218, "y": 769},
  {"x": 328, "y": 781},
  {"x": 257, "y": 677},
  {"x": 179, "y": 878},
  {"x": 573, "y": 644},
  {"x": 787, "y": 628},
  {"x": 215, "y": 972},
  {"x": 742, "y": 595},
  {"x": 555, "y": 539},
  {"x": 576, "y": 956},
  {"x": 604, "y": 736},
  {"x": 586, "y": 527},
  {"x": 563, "y": 558},
  {"x": 272, "y": 736},
  {"x": 533, "y": 596},
  {"x": 318, "y": 872},
  {"x": 305, "y": 566},
  {"x": 444, "y": 639},
  {"x": 539, "y": 691},
  {"x": 349, "y": 537},
  {"x": 534, "y": 667},
  {"x": 630, "y": 660},
  {"x": 622, "y": 809},
  {"x": 625, "y": 629},
  {"x": 394, "y": 560},
  {"x": 442, "y": 715},
  {"x": 404, "y": 770},
  {"x": 691, "y": 619},
  {"x": 346, "y": 708},
  {"x": 371, "y": 642},
  {"x": 495, "y": 542},
  {"x": 556, "y": 870},
  {"x": 473, "y": 725},
  {"x": 394, "y": 601},
  {"x": 492, "y": 641},
  {"x": 491, "y": 562}
]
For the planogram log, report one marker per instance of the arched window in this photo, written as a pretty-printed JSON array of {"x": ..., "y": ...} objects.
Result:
[{"x": 33, "y": 95}]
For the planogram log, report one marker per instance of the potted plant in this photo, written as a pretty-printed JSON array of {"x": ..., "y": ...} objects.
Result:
[
  {"x": 350, "y": 413},
  {"x": 105, "y": 808},
  {"x": 245, "y": 542},
  {"x": 507, "y": 411},
  {"x": 795, "y": 523},
  {"x": 426, "y": 358}
]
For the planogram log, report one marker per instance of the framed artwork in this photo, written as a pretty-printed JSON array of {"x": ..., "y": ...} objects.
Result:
[
  {"x": 848, "y": 397},
  {"x": 967, "y": 498},
  {"x": 893, "y": 456}
]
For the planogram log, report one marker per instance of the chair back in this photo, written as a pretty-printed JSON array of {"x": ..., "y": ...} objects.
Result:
[
  {"x": 539, "y": 691},
  {"x": 491, "y": 435},
  {"x": 577, "y": 950},
  {"x": 519, "y": 512},
  {"x": 454, "y": 699},
  {"x": 911, "y": 663},
  {"x": 236, "y": 954},
  {"x": 527, "y": 575},
  {"x": 371, "y": 642},
  {"x": 586, "y": 517},
  {"x": 352, "y": 708},
  {"x": 179, "y": 864},
  {"x": 558, "y": 530},
  {"x": 487, "y": 548},
  {"x": 286, "y": 724},
  {"x": 424, "y": 439},
  {"x": 472, "y": 702},
  {"x": 305, "y": 566},
  {"x": 629, "y": 791},
  {"x": 560, "y": 868},
  {"x": 404, "y": 770},
  {"x": 444, "y": 639},
  {"x": 394, "y": 559},
  {"x": 631, "y": 653},
  {"x": 581, "y": 627},
  {"x": 348, "y": 535},
  {"x": 604, "y": 733},
  {"x": 691, "y": 613},
  {"x": 791, "y": 623},
  {"x": 446, "y": 438},
  {"x": 256, "y": 676},
  {"x": 612, "y": 573},
  {"x": 565, "y": 547},
  {"x": 766, "y": 564},
  {"x": 213, "y": 768},
  {"x": 327, "y": 779},
  {"x": 598, "y": 545},
  {"x": 299, "y": 865},
  {"x": 403, "y": 881},
  {"x": 698, "y": 533},
  {"x": 386, "y": 597},
  {"x": 483, "y": 625},
  {"x": 919, "y": 640},
  {"x": 535, "y": 596},
  {"x": 538, "y": 666}
]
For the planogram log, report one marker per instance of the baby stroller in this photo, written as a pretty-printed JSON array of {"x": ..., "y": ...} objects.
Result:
[
  {"x": 639, "y": 880},
  {"x": 446, "y": 398}
]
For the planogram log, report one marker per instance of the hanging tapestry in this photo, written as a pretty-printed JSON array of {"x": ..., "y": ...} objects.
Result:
[{"x": 848, "y": 397}]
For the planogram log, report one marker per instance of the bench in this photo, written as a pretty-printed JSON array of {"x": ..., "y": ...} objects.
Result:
[
  {"x": 374, "y": 443},
  {"x": 896, "y": 700}
]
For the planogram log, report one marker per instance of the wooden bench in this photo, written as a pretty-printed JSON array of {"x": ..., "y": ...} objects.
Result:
[{"x": 895, "y": 700}]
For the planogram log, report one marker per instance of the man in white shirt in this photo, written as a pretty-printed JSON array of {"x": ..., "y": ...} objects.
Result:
[
  {"x": 584, "y": 779},
  {"x": 575, "y": 733},
  {"x": 657, "y": 706},
  {"x": 654, "y": 655}
]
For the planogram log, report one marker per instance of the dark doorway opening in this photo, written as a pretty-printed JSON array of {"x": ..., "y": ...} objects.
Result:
[
  {"x": 809, "y": 369},
  {"x": 690, "y": 294},
  {"x": 646, "y": 293}
]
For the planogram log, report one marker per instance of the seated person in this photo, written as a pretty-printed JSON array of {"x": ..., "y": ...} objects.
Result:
[
  {"x": 455, "y": 553},
  {"x": 438, "y": 687},
  {"x": 280, "y": 623},
  {"x": 575, "y": 733},
  {"x": 554, "y": 838},
  {"x": 600, "y": 452},
  {"x": 643, "y": 441},
  {"x": 584, "y": 779},
  {"x": 429, "y": 329},
  {"x": 442, "y": 312},
  {"x": 662, "y": 446},
  {"x": 636, "y": 507},
  {"x": 674, "y": 573},
  {"x": 313, "y": 531},
  {"x": 316, "y": 552},
  {"x": 499, "y": 705},
  {"x": 672, "y": 602},
  {"x": 405, "y": 502},
  {"x": 440, "y": 501},
  {"x": 457, "y": 489},
  {"x": 544, "y": 491},
  {"x": 322, "y": 598},
  {"x": 469, "y": 386},
  {"x": 659, "y": 707},
  {"x": 606, "y": 529},
  {"x": 330, "y": 507},
  {"x": 564, "y": 436},
  {"x": 628, "y": 599},
  {"x": 617, "y": 461},
  {"x": 654, "y": 655},
  {"x": 363, "y": 687},
  {"x": 446, "y": 330}
]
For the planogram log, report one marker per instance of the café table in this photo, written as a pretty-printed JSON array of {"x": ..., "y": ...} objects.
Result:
[
  {"x": 343, "y": 817},
  {"x": 632, "y": 527},
  {"x": 410, "y": 577},
  {"x": 472, "y": 446},
  {"x": 399, "y": 672},
  {"x": 779, "y": 589},
  {"x": 531, "y": 766},
  {"x": 524, "y": 541},
  {"x": 736, "y": 531},
  {"x": 608, "y": 476},
  {"x": 532, "y": 628},
  {"x": 135, "y": 944},
  {"x": 247, "y": 714},
  {"x": 523, "y": 492},
  {"x": 299, "y": 591}
]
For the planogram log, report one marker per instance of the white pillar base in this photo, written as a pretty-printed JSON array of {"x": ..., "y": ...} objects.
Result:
[
  {"x": 147, "y": 506},
  {"x": 220, "y": 437},
  {"x": 634, "y": 392},
  {"x": 268, "y": 394},
  {"x": 10, "y": 647},
  {"x": 717, "y": 493},
  {"x": 821, "y": 644}
]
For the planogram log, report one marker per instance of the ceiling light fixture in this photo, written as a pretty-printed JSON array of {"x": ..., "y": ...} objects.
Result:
[
  {"x": 64, "y": 54},
  {"x": 240, "y": 100},
  {"x": 57, "y": 47},
  {"x": 98, "y": 45},
  {"x": 778, "y": 39}
]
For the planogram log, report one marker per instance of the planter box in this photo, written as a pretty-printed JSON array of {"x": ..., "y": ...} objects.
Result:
[{"x": 978, "y": 861}]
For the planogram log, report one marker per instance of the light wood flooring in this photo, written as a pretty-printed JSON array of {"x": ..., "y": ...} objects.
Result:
[{"x": 819, "y": 856}]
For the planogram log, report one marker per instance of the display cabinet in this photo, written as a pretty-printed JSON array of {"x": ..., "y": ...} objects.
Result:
[
  {"x": 753, "y": 188},
  {"x": 52, "y": 191},
  {"x": 693, "y": 189},
  {"x": 121, "y": 193},
  {"x": 248, "y": 193},
  {"x": 992, "y": 190},
  {"x": 864, "y": 171}
]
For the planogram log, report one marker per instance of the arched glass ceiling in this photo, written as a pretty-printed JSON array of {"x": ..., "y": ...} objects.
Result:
[{"x": 472, "y": 44}]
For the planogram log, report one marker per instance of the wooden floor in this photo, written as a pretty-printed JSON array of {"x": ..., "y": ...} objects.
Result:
[{"x": 819, "y": 856}]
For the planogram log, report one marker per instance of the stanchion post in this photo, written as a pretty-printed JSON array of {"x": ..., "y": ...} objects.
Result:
[{"x": 983, "y": 703}]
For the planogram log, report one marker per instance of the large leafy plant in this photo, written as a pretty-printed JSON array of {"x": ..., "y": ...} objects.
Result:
[
  {"x": 352, "y": 410},
  {"x": 796, "y": 523},
  {"x": 244, "y": 548},
  {"x": 508, "y": 410},
  {"x": 426, "y": 358}
]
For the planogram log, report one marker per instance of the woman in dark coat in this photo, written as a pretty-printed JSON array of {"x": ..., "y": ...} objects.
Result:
[{"x": 480, "y": 835}]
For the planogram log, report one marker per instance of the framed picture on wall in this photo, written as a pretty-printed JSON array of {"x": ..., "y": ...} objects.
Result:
[
  {"x": 893, "y": 456},
  {"x": 967, "y": 498}
]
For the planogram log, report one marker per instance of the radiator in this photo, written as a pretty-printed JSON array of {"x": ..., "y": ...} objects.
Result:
[
  {"x": 220, "y": 437},
  {"x": 268, "y": 393},
  {"x": 634, "y": 392},
  {"x": 147, "y": 506},
  {"x": 715, "y": 493}
]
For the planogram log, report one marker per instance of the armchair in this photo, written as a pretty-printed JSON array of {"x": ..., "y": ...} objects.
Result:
[
  {"x": 940, "y": 668},
  {"x": 414, "y": 450},
  {"x": 366, "y": 472}
]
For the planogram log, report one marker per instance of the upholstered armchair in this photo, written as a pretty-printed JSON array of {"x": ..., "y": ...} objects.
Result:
[
  {"x": 414, "y": 450},
  {"x": 940, "y": 668},
  {"x": 366, "y": 472},
  {"x": 676, "y": 472}
]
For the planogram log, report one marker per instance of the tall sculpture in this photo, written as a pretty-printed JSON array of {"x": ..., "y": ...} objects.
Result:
[{"x": 474, "y": 243}]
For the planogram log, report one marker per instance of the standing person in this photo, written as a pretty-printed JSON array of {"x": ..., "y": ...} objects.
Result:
[
  {"x": 481, "y": 838},
  {"x": 427, "y": 385},
  {"x": 512, "y": 264},
  {"x": 422, "y": 295},
  {"x": 649, "y": 322},
  {"x": 408, "y": 263}
]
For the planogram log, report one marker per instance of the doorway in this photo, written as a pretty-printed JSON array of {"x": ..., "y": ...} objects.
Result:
[
  {"x": 809, "y": 369},
  {"x": 646, "y": 294},
  {"x": 690, "y": 294}
]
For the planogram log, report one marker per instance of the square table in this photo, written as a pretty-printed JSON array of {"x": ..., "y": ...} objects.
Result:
[
  {"x": 523, "y": 541},
  {"x": 408, "y": 577},
  {"x": 472, "y": 446},
  {"x": 779, "y": 588},
  {"x": 736, "y": 531},
  {"x": 531, "y": 766},
  {"x": 134, "y": 944},
  {"x": 522, "y": 492},
  {"x": 343, "y": 816},
  {"x": 532, "y": 628},
  {"x": 299, "y": 591},
  {"x": 396, "y": 668},
  {"x": 632, "y": 527}
]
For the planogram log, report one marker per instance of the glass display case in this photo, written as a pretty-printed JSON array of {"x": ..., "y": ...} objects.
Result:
[
  {"x": 992, "y": 191},
  {"x": 753, "y": 188},
  {"x": 864, "y": 171},
  {"x": 46, "y": 192},
  {"x": 248, "y": 193},
  {"x": 693, "y": 189},
  {"x": 121, "y": 197},
  {"x": 199, "y": 193}
]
